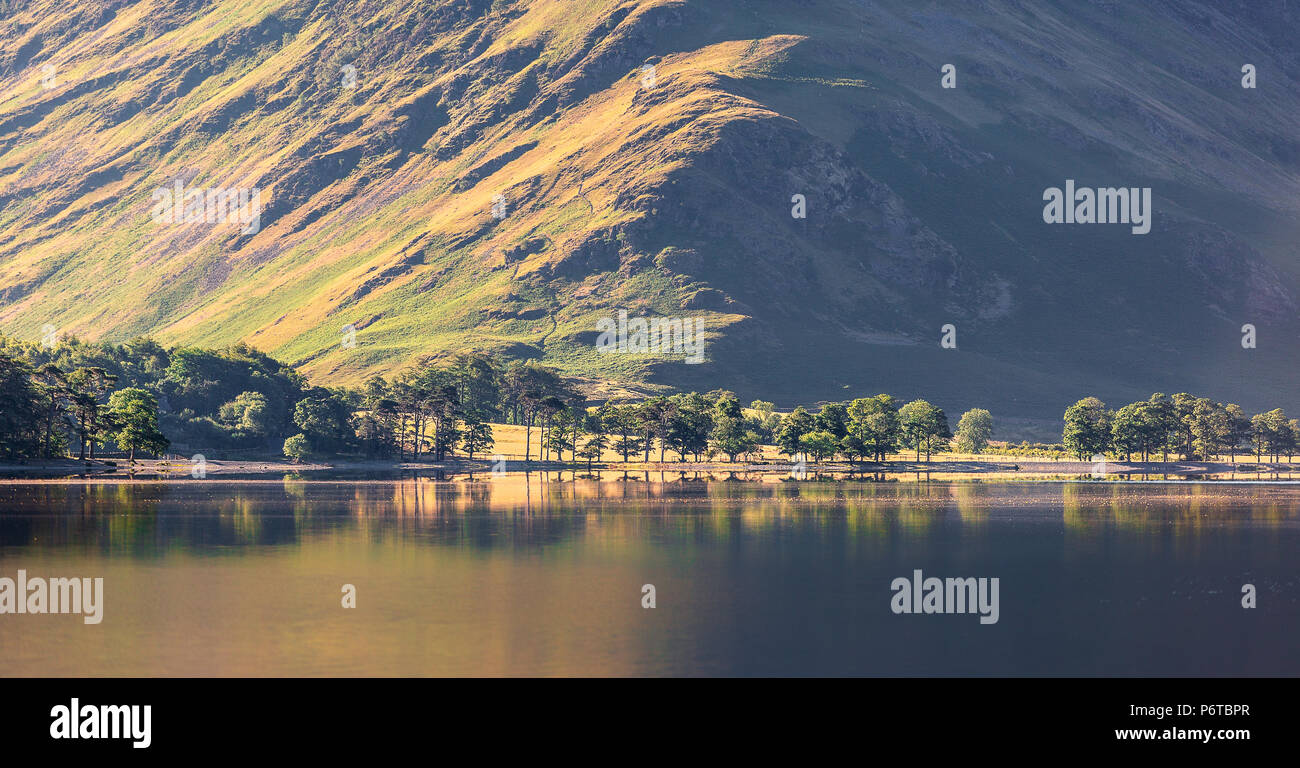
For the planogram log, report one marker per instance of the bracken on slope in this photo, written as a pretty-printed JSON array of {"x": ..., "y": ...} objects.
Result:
[{"x": 380, "y": 133}]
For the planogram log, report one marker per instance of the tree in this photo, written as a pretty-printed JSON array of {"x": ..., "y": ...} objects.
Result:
[
  {"x": 1127, "y": 430},
  {"x": 873, "y": 421},
  {"x": 200, "y": 381},
  {"x": 593, "y": 448},
  {"x": 1087, "y": 428},
  {"x": 1239, "y": 429},
  {"x": 1160, "y": 425},
  {"x": 1259, "y": 434},
  {"x": 789, "y": 438},
  {"x": 761, "y": 419},
  {"x": 1272, "y": 432},
  {"x": 691, "y": 423},
  {"x": 478, "y": 386},
  {"x": 377, "y": 422},
  {"x": 1211, "y": 428},
  {"x": 650, "y": 423},
  {"x": 852, "y": 448},
  {"x": 626, "y": 444},
  {"x": 922, "y": 426},
  {"x": 550, "y": 407},
  {"x": 88, "y": 387},
  {"x": 248, "y": 415},
  {"x": 820, "y": 444},
  {"x": 20, "y": 409},
  {"x": 297, "y": 447},
  {"x": 1284, "y": 439},
  {"x": 939, "y": 437},
  {"x": 532, "y": 392},
  {"x": 1184, "y": 417},
  {"x": 52, "y": 388},
  {"x": 560, "y": 437},
  {"x": 833, "y": 418},
  {"x": 136, "y": 414},
  {"x": 622, "y": 421},
  {"x": 974, "y": 430},
  {"x": 476, "y": 438},
  {"x": 729, "y": 433},
  {"x": 326, "y": 419},
  {"x": 731, "y": 437},
  {"x": 438, "y": 410}
]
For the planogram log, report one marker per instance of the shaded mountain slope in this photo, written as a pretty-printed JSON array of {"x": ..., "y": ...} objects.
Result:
[{"x": 670, "y": 197}]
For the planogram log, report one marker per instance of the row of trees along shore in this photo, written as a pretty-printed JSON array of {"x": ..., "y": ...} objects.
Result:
[
  {"x": 77, "y": 398},
  {"x": 1183, "y": 425}
]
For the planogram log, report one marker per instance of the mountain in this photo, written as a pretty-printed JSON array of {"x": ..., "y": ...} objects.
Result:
[{"x": 645, "y": 156}]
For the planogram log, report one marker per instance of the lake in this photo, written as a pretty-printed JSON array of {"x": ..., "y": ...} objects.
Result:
[{"x": 751, "y": 575}]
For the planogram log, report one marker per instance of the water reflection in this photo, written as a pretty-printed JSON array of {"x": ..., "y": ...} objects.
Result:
[{"x": 541, "y": 574}]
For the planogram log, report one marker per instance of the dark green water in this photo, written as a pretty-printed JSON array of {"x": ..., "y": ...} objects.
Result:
[{"x": 524, "y": 577}]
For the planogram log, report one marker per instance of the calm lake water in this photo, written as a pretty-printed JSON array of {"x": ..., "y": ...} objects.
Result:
[{"x": 515, "y": 576}]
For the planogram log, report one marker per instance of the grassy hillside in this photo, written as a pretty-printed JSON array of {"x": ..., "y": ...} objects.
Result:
[{"x": 671, "y": 197}]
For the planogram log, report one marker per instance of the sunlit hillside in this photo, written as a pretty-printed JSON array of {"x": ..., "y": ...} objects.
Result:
[{"x": 645, "y": 154}]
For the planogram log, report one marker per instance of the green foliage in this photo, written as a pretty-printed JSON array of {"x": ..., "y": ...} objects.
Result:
[
  {"x": 1273, "y": 433},
  {"x": 478, "y": 386},
  {"x": 197, "y": 383},
  {"x": 690, "y": 421},
  {"x": 789, "y": 438},
  {"x": 248, "y": 416},
  {"x": 833, "y": 418},
  {"x": 325, "y": 417},
  {"x": 1195, "y": 427},
  {"x": 297, "y": 447},
  {"x": 874, "y": 426},
  {"x": 1126, "y": 430},
  {"x": 135, "y": 414},
  {"x": 731, "y": 437},
  {"x": 622, "y": 423},
  {"x": 1025, "y": 448},
  {"x": 87, "y": 390},
  {"x": 974, "y": 430},
  {"x": 20, "y": 410},
  {"x": 820, "y": 444},
  {"x": 593, "y": 448},
  {"x": 852, "y": 447},
  {"x": 560, "y": 436},
  {"x": 923, "y": 427},
  {"x": 1087, "y": 428},
  {"x": 476, "y": 438},
  {"x": 88, "y": 395}
]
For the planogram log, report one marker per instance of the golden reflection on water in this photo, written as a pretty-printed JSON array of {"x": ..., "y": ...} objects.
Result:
[{"x": 511, "y": 575}]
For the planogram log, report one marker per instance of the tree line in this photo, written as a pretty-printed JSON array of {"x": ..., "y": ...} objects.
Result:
[
  {"x": 77, "y": 397},
  {"x": 1191, "y": 427}
]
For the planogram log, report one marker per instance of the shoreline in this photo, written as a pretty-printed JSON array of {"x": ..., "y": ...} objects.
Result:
[{"x": 158, "y": 469}]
